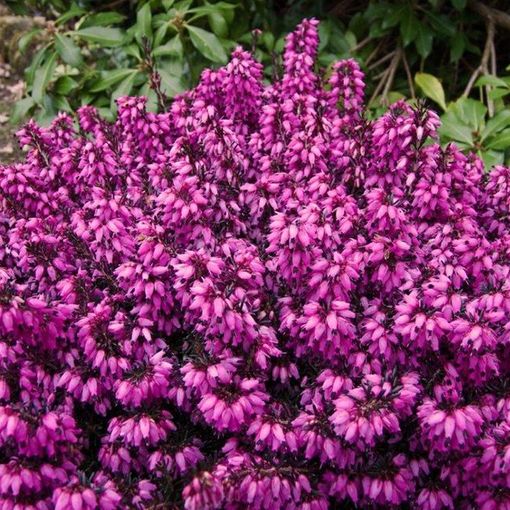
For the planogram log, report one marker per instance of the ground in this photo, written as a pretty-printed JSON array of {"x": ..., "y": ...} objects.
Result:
[{"x": 11, "y": 89}]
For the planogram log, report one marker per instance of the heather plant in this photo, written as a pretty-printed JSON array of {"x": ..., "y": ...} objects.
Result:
[{"x": 257, "y": 299}]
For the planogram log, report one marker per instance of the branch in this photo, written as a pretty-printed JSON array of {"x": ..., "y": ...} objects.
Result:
[
  {"x": 373, "y": 54},
  {"x": 409, "y": 75},
  {"x": 499, "y": 18},
  {"x": 483, "y": 67},
  {"x": 387, "y": 77},
  {"x": 341, "y": 7},
  {"x": 381, "y": 61},
  {"x": 361, "y": 44},
  {"x": 391, "y": 74}
]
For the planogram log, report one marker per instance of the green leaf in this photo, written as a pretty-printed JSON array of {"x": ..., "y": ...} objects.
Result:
[
  {"x": 491, "y": 80},
  {"x": 69, "y": 52},
  {"x": 324, "y": 34},
  {"x": 497, "y": 123},
  {"x": 172, "y": 48},
  {"x": 174, "y": 66},
  {"x": 471, "y": 112},
  {"x": 431, "y": 87},
  {"x": 133, "y": 50},
  {"x": 64, "y": 85},
  {"x": 21, "y": 109},
  {"x": 167, "y": 4},
  {"x": 103, "y": 19},
  {"x": 408, "y": 26},
  {"x": 460, "y": 5},
  {"x": 218, "y": 24},
  {"x": 160, "y": 34},
  {"x": 152, "y": 97},
  {"x": 106, "y": 113},
  {"x": 43, "y": 77},
  {"x": 268, "y": 40},
  {"x": 110, "y": 78},
  {"x": 25, "y": 40},
  {"x": 171, "y": 85},
  {"x": 226, "y": 9},
  {"x": 492, "y": 158},
  {"x": 442, "y": 24},
  {"x": 143, "y": 23},
  {"x": 105, "y": 36},
  {"x": 423, "y": 41},
  {"x": 499, "y": 93},
  {"x": 37, "y": 60},
  {"x": 458, "y": 46},
  {"x": 394, "y": 96},
  {"x": 86, "y": 98},
  {"x": 207, "y": 44},
  {"x": 279, "y": 45},
  {"x": 183, "y": 6},
  {"x": 72, "y": 12},
  {"x": 501, "y": 141},
  {"x": 124, "y": 88},
  {"x": 452, "y": 128},
  {"x": 393, "y": 16},
  {"x": 62, "y": 104}
]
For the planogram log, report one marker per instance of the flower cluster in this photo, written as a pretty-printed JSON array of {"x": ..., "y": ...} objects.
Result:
[{"x": 258, "y": 299}]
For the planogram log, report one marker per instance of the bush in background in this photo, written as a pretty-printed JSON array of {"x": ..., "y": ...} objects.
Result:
[{"x": 446, "y": 50}]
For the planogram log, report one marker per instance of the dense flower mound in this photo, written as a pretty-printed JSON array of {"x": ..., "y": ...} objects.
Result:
[{"x": 259, "y": 299}]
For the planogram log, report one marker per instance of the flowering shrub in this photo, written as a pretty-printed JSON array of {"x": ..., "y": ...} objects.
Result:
[{"x": 259, "y": 300}]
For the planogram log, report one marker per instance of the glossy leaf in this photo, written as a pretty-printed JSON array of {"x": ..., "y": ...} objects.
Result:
[
  {"x": 491, "y": 80},
  {"x": 172, "y": 48},
  {"x": 459, "y": 4},
  {"x": 25, "y": 40},
  {"x": 105, "y": 36},
  {"x": 143, "y": 23},
  {"x": 124, "y": 88},
  {"x": 497, "y": 123},
  {"x": 491, "y": 158},
  {"x": 501, "y": 141},
  {"x": 110, "y": 78},
  {"x": 160, "y": 34},
  {"x": 498, "y": 93},
  {"x": 423, "y": 41},
  {"x": 65, "y": 84},
  {"x": 218, "y": 24},
  {"x": 73, "y": 12},
  {"x": 452, "y": 128},
  {"x": 21, "y": 109},
  {"x": 207, "y": 44},
  {"x": 457, "y": 48},
  {"x": 68, "y": 51},
  {"x": 408, "y": 26},
  {"x": 471, "y": 112},
  {"x": 42, "y": 77},
  {"x": 171, "y": 84},
  {"x": 103, "y": 19},
  {"x": 432, "y": 88}
]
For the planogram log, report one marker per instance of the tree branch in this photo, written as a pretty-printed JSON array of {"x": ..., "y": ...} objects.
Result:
[
  {"x": 409, "y": 75},
  {"x": 499, "y": 18},
  {"x": 387, "y": 77},
  {"x": 483, "y": 67}
]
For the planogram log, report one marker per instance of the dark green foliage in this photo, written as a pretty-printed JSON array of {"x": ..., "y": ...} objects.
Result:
[{"x": 96, "y": 51}]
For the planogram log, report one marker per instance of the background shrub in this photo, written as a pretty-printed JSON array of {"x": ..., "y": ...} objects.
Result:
[{"x": 445, "y": 50}]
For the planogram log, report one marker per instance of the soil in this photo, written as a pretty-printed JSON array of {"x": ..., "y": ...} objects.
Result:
[{"x": 11, "y": 90}]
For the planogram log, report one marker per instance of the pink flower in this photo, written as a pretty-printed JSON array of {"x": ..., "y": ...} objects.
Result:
[{"x": 261, "y": 298}]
